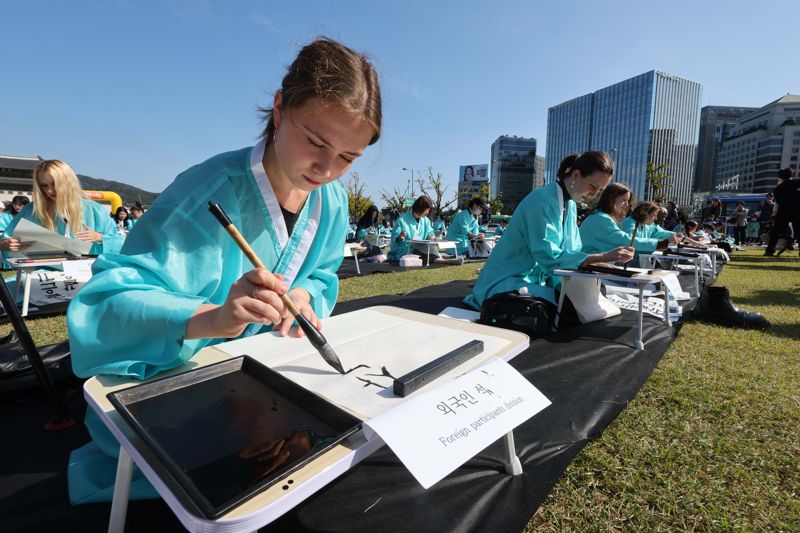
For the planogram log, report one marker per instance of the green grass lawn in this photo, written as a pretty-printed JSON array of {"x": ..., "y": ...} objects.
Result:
[{"x": 712, "y": 441}]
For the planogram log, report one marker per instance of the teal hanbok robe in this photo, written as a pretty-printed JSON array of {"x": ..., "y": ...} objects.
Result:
[
  {"x": 462, "y": 224},
  {"x": 601, "y": 233},
  {"x": 95, "y": 216},
  {"x": 415, "y": 229},
  {"x": 542, "y": 237},
  {"x": 130, "y": 319}
]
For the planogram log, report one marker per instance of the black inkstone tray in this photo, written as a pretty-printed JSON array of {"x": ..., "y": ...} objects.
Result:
[{"x": 222, "y": 433}]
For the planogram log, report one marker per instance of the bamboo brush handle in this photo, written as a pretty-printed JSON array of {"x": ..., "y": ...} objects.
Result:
[{"x": 251, "y": 255}]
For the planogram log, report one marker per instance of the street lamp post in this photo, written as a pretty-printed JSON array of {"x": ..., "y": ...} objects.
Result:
[{"x": 412, "y": 180}]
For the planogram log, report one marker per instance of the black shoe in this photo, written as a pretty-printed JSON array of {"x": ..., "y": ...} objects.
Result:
[
  {"x": 769, "y": 254},
  {"x": 715, "y": 307}
]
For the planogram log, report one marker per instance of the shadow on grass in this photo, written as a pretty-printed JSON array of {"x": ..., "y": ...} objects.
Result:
[
  {"x": 786, "y": 331},
  {"x": 763, "y": 268},
  {"x": 768, "y": 297},
  {"x": 764, "y": 259}
]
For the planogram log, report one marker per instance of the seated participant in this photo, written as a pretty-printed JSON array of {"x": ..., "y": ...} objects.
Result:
[
  {"x": 181, "y": 283},
  {"x": 367, "y": 223},
  {"x": 647, "y": 212},
  {"x": 59, "y": 205},
  {"x": 13, "y": 209},
  {"x": 136, "y": 212},
  {"x": 543, "y": 234},
  {"x": 439, "y": 225},
  {"x": 498, "y": 231},
  {"x": 693, "y": 230},
  {"x": 464, "y": 225},
  {"x": 413, "y": 224},
  {"x": 121, "y": 220},
  {"x": 600, "y": 231},
  {"x": 385, "y": 228}
]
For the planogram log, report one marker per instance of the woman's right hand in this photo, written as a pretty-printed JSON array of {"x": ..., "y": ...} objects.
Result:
[
  {"x": 255, "y": 298},
  {"x": 621, "y": 254},
  {"x": 13, "y": 244}
]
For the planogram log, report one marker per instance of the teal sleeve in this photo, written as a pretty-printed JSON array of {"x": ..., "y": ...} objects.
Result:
[
  {"x": 544, "y": 238},
  {"x": 326, "y": 256},
  {"x": 660, "y": 233},
  {"x": 601, "y": 233},
  {"x": 427, "y": 229},
  {"x": 96, "y": 217},
  {"x": 131, "y": 317}
]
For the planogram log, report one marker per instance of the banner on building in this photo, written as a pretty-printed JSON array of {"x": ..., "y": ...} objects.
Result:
[{"x": 474, "y": 173}]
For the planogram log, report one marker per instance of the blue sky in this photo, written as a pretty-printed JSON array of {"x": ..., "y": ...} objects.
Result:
[{"x": 137, "y": 91}]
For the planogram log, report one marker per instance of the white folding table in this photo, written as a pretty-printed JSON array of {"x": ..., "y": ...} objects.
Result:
[
  {"x": 641, "y": 281},
  {"x": 649, "y": 261},
  {"x": 300, "y": 484},
  {"x": 428, "y": 243}
]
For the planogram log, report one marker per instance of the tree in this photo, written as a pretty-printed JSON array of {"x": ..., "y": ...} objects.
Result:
[
  {"x": 658, "y": 179},
  {"x": 496, "y": 204},
  {"x": 483, "y": 192},
  {"x": 436, "y": 190},
  {"x": 396, "y": 199},
  {"x": 357, "y": 201}
]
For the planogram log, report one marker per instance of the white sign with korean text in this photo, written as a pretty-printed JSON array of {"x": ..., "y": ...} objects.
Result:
[
  {"x": 437, "y": 431},
  {"x": 51, "y": 287}
]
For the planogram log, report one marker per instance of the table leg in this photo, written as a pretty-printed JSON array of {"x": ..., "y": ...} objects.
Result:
[
  {"x": 512, "y": 462},
  {"x": 666, "y": 304},
  {"x": 355, "y": 258},
  {"x": 428, "y": 258},
  {"x": 639, "y": 345},
  {"x": 698, "y": 270},
  {"x": 20, "y": 272},
  {"x": 122, "y": 489},
  {"x": 564, "y": 280},
  {"x": 26, "y": 295}
]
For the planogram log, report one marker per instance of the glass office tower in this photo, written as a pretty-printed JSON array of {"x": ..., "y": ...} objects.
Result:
[
  {"x": 652, "y": 117},
  {"x": 513, "y": 169}
]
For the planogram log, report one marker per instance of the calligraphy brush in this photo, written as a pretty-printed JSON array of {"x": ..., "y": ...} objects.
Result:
[
  {"x": 313, "y": 334},
  {"x": 633, "y": 237}
]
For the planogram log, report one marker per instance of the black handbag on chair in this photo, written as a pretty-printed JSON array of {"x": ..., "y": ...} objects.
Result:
[{"x": 521, "y": 312}]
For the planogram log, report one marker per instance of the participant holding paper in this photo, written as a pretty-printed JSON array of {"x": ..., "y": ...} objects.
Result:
[
  {"x": 413, "y": 224},
  {"x": 181, "y": 283},
  {"x": 543, "y": 234},
  {"x": 60, "y": 206},
  {"x": 601, "y": 232},
  {"x": 464, "y": 225}
]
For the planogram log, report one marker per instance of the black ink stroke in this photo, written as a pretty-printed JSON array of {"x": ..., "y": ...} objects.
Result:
[
  {"x": 359, "y": 366},
  {"x": 367, "y": 383},
  {"x": 384, "y": 373}
]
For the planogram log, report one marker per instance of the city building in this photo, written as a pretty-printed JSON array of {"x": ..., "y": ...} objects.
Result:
[
  {"x": 759, "y": 144},
  {"x": 16, "y": 176},
  {"x": 538, "y": 172},
  {"x": 471, "y": 178},
  {"x": 650, "y": 118},
  {"x": 513, "y": 169},
  {"x": 714, "y": 123}
]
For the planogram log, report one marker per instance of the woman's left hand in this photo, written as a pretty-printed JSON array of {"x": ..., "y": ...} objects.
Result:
[
  {"x": 301, "y": 300},
  {"x": 89, "y": 235}
]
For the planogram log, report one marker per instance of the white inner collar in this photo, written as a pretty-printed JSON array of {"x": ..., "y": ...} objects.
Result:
[{"x": 267, "y": 192}]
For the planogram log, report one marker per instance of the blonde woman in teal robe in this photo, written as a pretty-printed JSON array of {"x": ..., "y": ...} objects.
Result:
[
  {"x": 413, "y": 224},
  {"x": 59, "y": 205},
  {"x": 181, "y": 283},
  {"x": 543, "y": 235}
]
